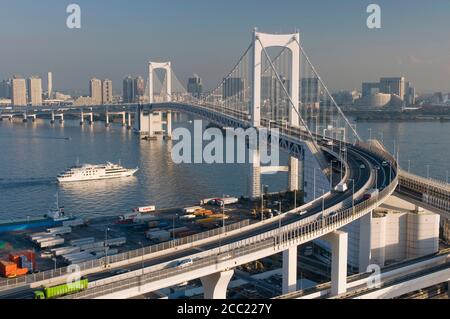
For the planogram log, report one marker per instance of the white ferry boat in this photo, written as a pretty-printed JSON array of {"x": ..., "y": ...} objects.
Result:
[{"x": 88, "y": 172}]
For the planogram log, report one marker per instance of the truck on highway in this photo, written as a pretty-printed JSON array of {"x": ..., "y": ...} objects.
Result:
[
  {"x": 341, "y": 187},
  {"x": 61, "y": 290}
]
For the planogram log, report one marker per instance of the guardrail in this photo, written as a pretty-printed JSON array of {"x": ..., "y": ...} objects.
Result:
[
  {"x": 422, "y": 183},
  {"x": 49, "y": 274}
]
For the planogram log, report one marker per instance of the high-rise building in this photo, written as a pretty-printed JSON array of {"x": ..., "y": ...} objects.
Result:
[
  {"x": 107, "y": 95},
  {"x": 194, "y": 86},
  {"x": 395, "y": 85},
  {"x": 128, "y": 89},
  {"x": 139, "y": 88},
  {"x": 19, "y": 92},
  {"x": 95, "y": 90},
  {"x": 34, "y": 91},
  {"x": 410, "y": 94},
  {"x": 5, "y": 89},
  {"x": 49, "y": 85},
  {"x": 233, "y": 87},
  {"x": 370, "y": 88},
  {"x": 310, "y": 91}
]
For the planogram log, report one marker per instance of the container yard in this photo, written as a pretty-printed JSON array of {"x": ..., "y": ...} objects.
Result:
[{"x": 78, "y": 240}]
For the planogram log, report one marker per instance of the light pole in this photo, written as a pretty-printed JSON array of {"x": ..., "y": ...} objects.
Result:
[
  {"x": 409, "y": 166},
  {"x": 106, "y": 246},
  {"x": 295, "y": 197},
  {"x": 376, "y": 177},
  {"x": 315, "y": 182},
  {"x": 142, "y": 245},
  {"x": 331, "y": 173},
  {"x": 370, "y": 134},
  {"x": 54, "y": 260},
  {"x": 353, "y": 196},
  {"x": 323, "y": 207}
]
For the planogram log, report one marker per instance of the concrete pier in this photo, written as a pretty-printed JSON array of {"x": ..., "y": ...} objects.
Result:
[
  {"x": 129, "y": 121},
  {"x": 339, "y": 251},
  {"x": 289, "y": 270},
  {"x": 215, "y": 285}
]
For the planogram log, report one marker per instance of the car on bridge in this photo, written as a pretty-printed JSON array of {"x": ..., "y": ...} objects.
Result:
[{"x": 185, "y": 263}]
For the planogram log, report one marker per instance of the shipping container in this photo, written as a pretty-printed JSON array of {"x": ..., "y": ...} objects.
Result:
[
  {"x": 143, "y": 218},
  {"x": 80, "y": 241},
  {"x": 52, "y": 243},
  {"x": 60, "y": 230},
  {"x": 7, "y": 268},
  {"x": 190, "y": 210},
  {"x": 65, "y": 250},
  {"x": 74, "y": 222},
  {"x": 145, "y": 209},
  {"x": 186, "y": 234},
  {"x": 188, "y": 217},
  {"x": 161, "y": 235}
]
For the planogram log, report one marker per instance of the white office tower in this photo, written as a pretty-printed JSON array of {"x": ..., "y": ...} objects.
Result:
[
  {"x": 19, "y": 92},
  {"x": 35, "y": 91},
  {"x": 107, "y": 95},
  {"x": 49, "y": 85},
  {"x": 95, "y": 91}
]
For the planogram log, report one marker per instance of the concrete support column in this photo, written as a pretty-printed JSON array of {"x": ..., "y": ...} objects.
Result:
[
  {"x": 293, "y": 174},
  {"x": 129, "y": 121},
  {"x": 124, "y": 122},
  {"x": 254, "y": 182},
  {"x": 215, "y": 285},
  {"x": 53, "y": 118},
  {"x": 91, "y": 118},
  {"x": 61, "y": 120},
  {"x": 25, "y": 118},
  {"x": 33, "y": 118},
  {"x": 150, "y": 128},
  {"x": 289, "y": 270},
  {"x": 339, "y": 250},
  {"x": 107, "y": 118},
  {"x": 169, "y": 125},
  {"x": 82, "y": 118},
  {"x": 365, "y": 239}
]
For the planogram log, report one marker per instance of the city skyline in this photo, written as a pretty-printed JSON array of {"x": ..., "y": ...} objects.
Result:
[{"x": 359, "y": 54}]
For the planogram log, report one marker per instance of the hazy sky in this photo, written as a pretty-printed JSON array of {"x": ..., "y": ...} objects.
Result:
[{"x": 118, "y": 37}]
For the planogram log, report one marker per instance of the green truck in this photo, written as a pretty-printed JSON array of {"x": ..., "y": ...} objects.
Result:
[{"x": 61, "y": 290}]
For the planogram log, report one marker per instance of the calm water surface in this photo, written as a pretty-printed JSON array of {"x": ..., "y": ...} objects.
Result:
[{"x": 32, "y": 154}]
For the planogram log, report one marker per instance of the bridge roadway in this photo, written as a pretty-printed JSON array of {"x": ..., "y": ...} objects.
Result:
[
  {"x": 357, "y": 284},
  {"x": 361, "y": 177},
  {"x": 424, "y": 192}
]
